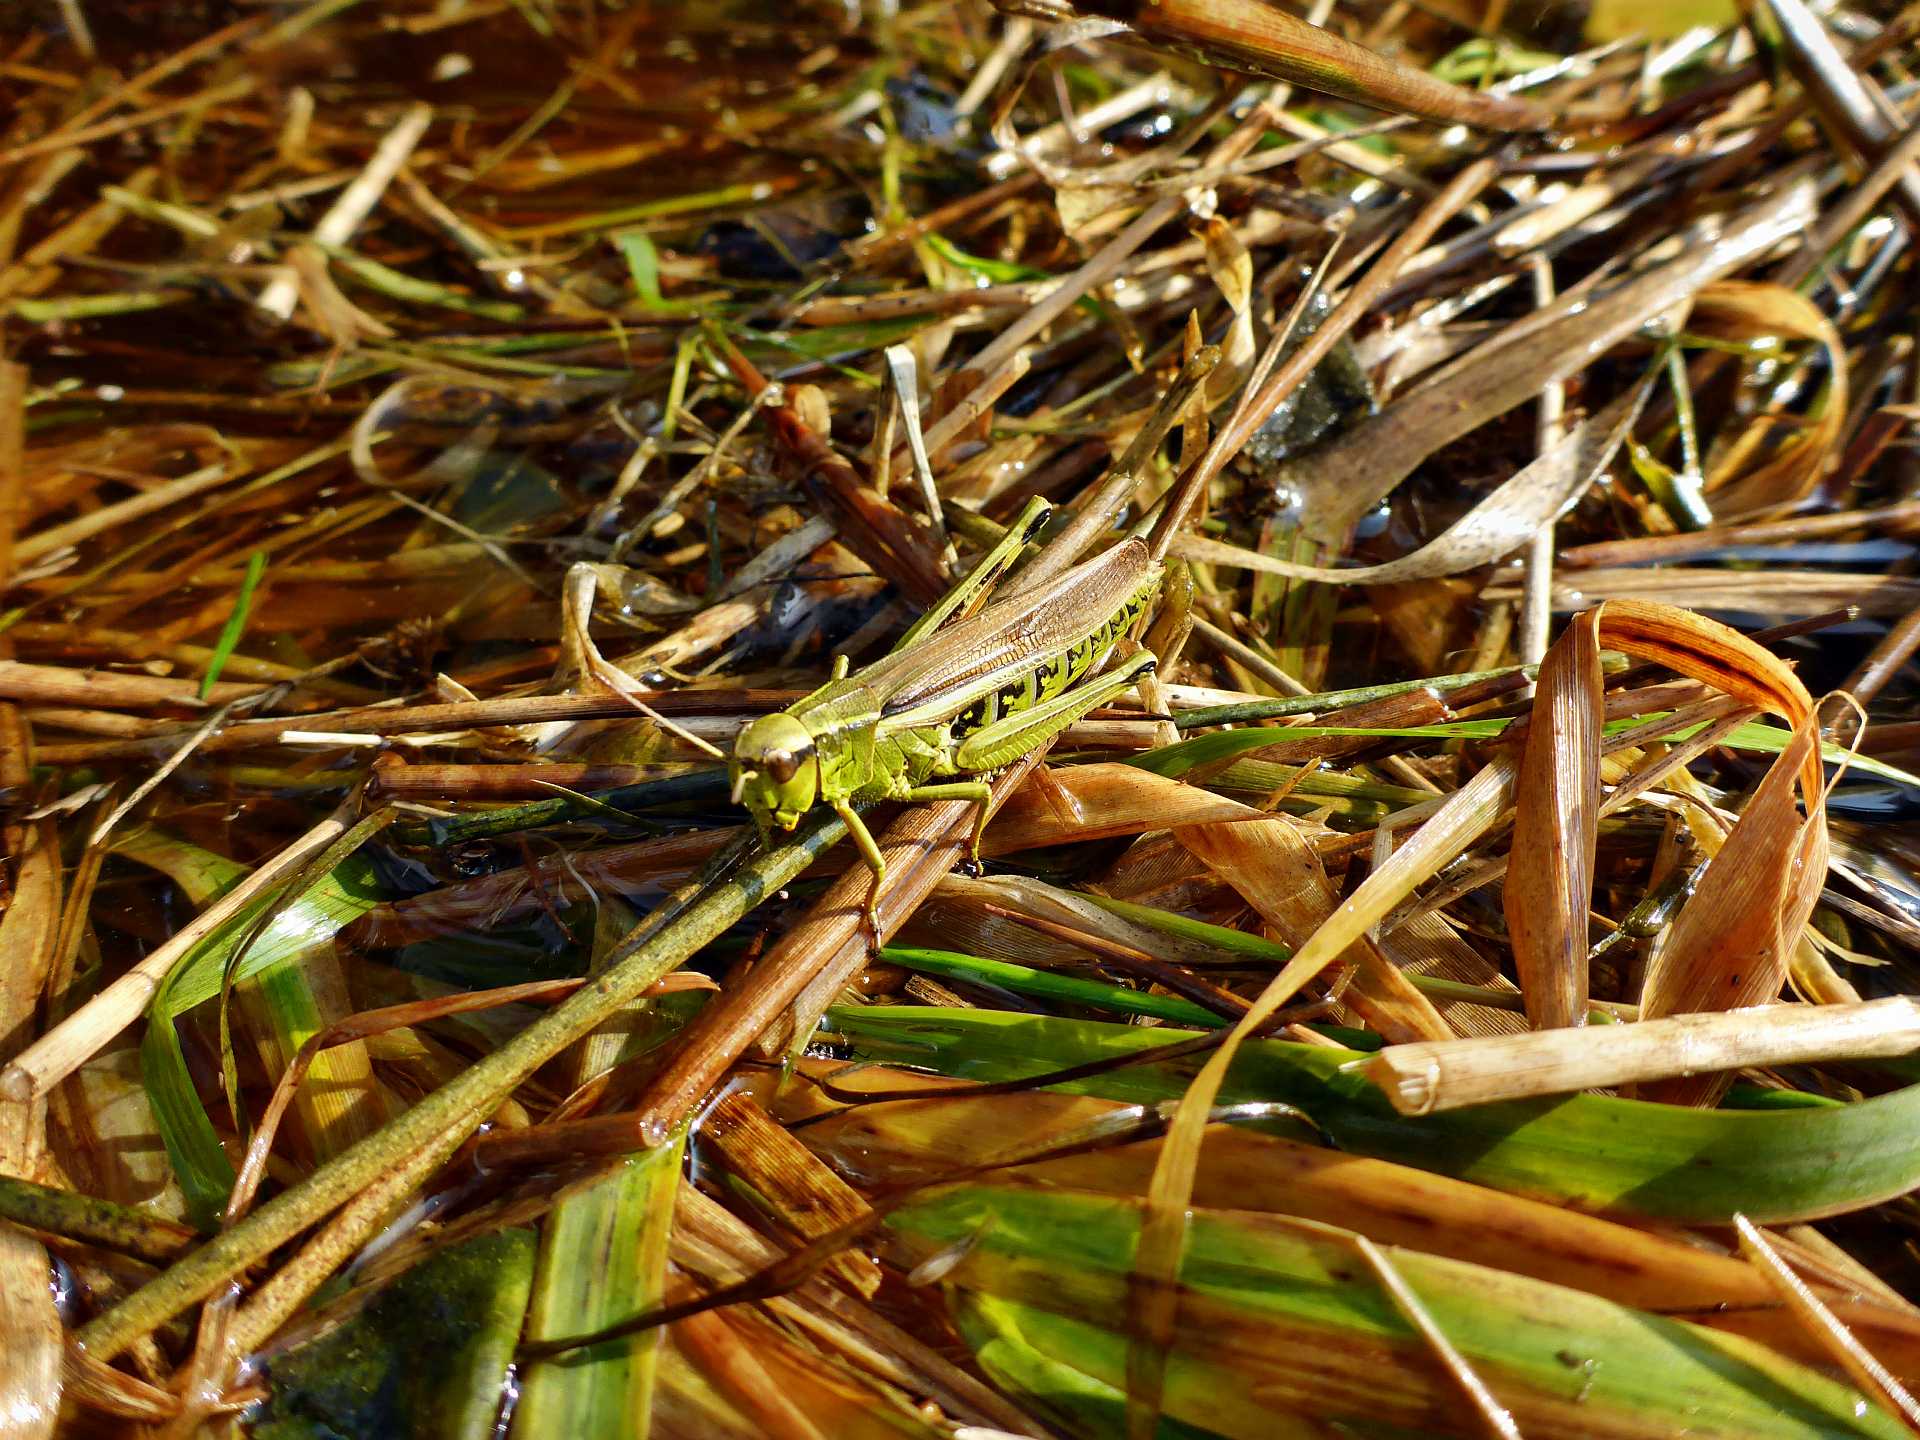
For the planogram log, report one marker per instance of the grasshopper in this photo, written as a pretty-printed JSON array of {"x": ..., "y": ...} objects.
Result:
[
  {"x": 950, "y": 705},
  {"x": 956, "y": 702}
]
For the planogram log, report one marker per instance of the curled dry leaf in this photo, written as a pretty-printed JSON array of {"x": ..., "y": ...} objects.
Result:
[
  {"x": 1733, "y": 940},
  {"x": 1097, "y": 801},
  {"x": 1749, "y": 312},
  {"x": 1732, "y": 943}
]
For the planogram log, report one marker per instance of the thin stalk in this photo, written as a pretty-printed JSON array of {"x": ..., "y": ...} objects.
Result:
[{"x": 125, "y": 1228}]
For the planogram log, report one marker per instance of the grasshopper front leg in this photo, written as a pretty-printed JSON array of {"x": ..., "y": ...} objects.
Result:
[
  {"x": 978, "y": 791},
  {"x": 869, "y": 849}
]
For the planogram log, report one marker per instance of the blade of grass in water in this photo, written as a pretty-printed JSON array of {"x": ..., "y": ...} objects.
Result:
[
  {"x": 603, "y": 1256},
  {"x": 236, "y": 622},
  {"x": 706, "y": 785},
  {"x": 200, "y": 1162},
  {"x": 367, "y": 1177}
]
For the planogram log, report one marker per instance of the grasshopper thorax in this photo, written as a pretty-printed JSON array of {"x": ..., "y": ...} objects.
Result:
[{"x": 775, "y": 771}]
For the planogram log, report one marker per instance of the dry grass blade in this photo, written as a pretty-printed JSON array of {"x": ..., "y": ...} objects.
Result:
[
  {"x": 786, "y": 1183},
  {"x": 1353, "y": 475},
  {"x": 1496, "y": 1419},
  {"x": 1424, "y": 1079},
  {"x": 30, "y": 1385},
  {"x": 1867, "y": 1372},
  {"x": 1460, "y": 819},
  {"x": 1276, "y": 870},
  {"x": 1549, "y": 887},
  {"x": 1500, "y": 524}
]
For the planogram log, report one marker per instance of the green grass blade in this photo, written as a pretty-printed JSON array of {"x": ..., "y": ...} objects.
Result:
[
  {"x": 1177, "y": 760},
  {"x": 1284, "y": 1327},
  {"x": 643, "y": 266},
  {"x": 344, "y": 894},
  {"x": 1598, "y": 1153},
  {"x": 1000, "y": 272},
  {"x": 1046, "y": 985},
  {"x": 1007, "y": 1339},
  {"x": 1255, "y": 948},
  {"x": 236, "y": 622},
  {"x": 603, "y": 1257},
  {"x": 1323, "y": 701},
  {"x": 409, "y": 289},
  {"x": 200, "y": 1162}
]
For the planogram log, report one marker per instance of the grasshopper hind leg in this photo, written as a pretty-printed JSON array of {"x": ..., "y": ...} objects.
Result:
[
  {"x": 977, "y": 791},
  {"x": 1007, "y": 739}
]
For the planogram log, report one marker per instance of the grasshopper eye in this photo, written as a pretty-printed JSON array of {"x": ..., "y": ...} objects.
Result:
[{"x": 783, "y": 765}]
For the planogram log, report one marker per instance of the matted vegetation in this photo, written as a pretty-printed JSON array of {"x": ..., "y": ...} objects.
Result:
[{"x": 1462, "y": 988}]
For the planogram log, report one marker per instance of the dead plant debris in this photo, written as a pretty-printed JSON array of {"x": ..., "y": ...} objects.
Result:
[{"x": 1439, "y": 960}]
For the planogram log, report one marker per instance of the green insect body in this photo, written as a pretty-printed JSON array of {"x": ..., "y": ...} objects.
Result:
[{"x": 951, "y": 705}]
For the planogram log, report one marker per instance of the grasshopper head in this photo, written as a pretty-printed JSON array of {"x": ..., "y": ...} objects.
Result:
[{"x": 774, "y": 769}]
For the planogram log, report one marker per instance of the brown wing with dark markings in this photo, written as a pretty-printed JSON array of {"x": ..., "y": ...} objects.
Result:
[{"x": 976, "y": 656}]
